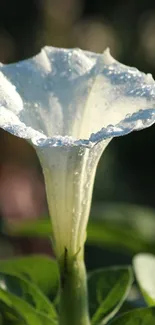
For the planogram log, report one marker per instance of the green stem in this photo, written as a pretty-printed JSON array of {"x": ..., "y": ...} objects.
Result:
[{"x": 73, "y": 294}]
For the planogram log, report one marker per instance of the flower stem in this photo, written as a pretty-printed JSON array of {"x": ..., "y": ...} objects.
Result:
[{"x": 73, "y": 294}]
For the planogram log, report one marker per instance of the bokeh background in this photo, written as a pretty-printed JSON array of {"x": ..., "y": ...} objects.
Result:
[{"x": 124, "y": 191}]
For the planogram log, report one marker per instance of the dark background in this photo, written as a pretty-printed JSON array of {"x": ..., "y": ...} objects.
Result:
[{"x": 126, "y": 172}]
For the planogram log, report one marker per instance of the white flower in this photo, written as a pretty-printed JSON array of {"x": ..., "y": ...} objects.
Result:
[{"x": 69, "y": 104}]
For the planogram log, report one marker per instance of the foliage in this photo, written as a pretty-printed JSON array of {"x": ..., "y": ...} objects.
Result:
[
  {"x": 29, "y": 286},
  {"x": 24, "y": 298}
]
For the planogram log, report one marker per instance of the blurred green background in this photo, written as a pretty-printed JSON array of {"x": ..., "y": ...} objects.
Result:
[{"x": 124, "y": 191}]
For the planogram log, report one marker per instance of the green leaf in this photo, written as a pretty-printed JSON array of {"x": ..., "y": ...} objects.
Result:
[
  {"x": 25, "y": 311},
  {"x": 28, "y": 278},
  {"x": 41, "y": 270},
  {"x": 41, "y": 227},
  {"x": 141, "y": 316},
  {"x": 10, "y": 316},
  {"x": 124, "y": 226},
  {"x": 144, "y": 267},
  {"x": 108, "y": 288},
  {"x": 28, "y": 292},
  {"x": 102, "y": 233}
]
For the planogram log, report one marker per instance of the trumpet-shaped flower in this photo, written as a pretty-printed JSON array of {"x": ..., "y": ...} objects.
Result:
[{"x": 69, "y": 104}]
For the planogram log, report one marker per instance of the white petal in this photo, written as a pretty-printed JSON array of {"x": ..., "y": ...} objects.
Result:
[
  {"x": 9, "y": 98},
  {"x": 46, "y": 84},
  {"x": 69, "y": 177},
  {"x": 72, "y": 95}
]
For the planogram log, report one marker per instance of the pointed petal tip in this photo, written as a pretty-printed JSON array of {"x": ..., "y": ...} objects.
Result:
[
  {"x": 149, "y": 78},
  {"x": 108, "y": 59}
]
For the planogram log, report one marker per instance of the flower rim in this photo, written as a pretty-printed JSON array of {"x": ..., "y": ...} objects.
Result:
[{"x": 143, "y": 118}]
